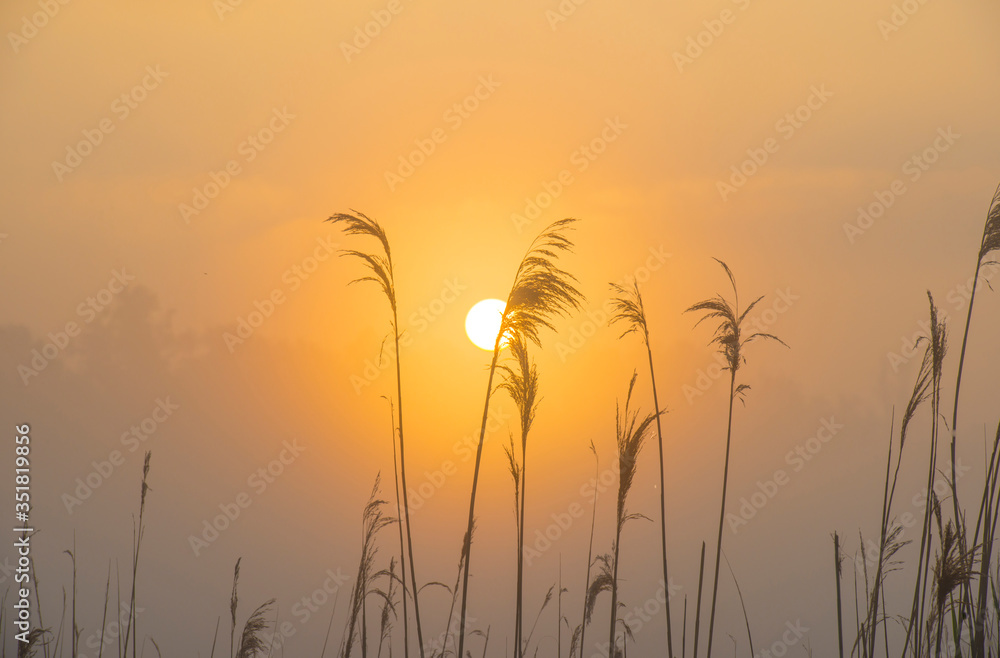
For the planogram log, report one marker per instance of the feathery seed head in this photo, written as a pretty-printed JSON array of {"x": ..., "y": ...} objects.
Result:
[
  {"x": 541, "y": 290},
  {"x": 380, "y": 265},
  {"x": 991, "y": 232},
  {"x": 729, "y": 335},
  {"x": 628, "y": 309}
]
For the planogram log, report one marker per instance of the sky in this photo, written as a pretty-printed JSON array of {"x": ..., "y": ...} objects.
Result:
[{"x": 169, "y": 284}]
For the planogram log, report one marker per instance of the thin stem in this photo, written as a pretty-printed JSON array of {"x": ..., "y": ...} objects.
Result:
[
  {"x": 663, "y": 496},
  {"x": 406, "y": 498},
  {"x": 887, "y": 496},
  {"x": 472, "y": 500},
  {"x": 722, "y": 513},
  {"x": 614, "y": 588},
  {"x": 590, "y": 552},
  {"x": 959, "y": 526},
  {"x": 402, "y": 553},
  {"x": 519, "y": 631},
  {"x": 697, "y": 613},
  {"x": 559, "y": 613},
  {"x": 104, "y": 618},
  {"x": 840, "y": 612}
]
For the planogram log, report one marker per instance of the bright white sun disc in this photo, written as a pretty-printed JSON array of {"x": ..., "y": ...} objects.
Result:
[{"x": 482, "y": 324}]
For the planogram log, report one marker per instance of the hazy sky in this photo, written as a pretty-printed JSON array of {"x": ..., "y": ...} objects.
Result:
[{"x": 165, "y": 176}]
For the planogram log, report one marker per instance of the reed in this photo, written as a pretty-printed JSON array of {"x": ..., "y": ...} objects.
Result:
[
  {"x": 541, "y": 291},
  {"x": 731, "y": 342},
  {"x": 629, "y": 310},
  {"x": 388, "y": 608},
  {"x": 580, "y": 633},
  {"x": 380, "y": 266},
  {"x": 889, "y": 544},
  {"x": 631, "y": 434},
  {"x": 399, "y": 515},
  {"x": 989, "y": 510},
  {"x": 521, "y": 383},
  {"x": 697, "y": 608},
  {"x": 104, "y": 615},
  {"x": 372, "y": 521},
  {"x": 254, "y": 634},
  {"x": 233, "y": 604},
  {"x": 936, "y": 351},
  {"x": 739, "y": 592},
  {"x": 989, "y": 244},
  {"x": 840, "y": 610},
  {"x": 136, "y": 544}
]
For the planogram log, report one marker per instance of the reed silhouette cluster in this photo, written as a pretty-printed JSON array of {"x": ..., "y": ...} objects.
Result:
[{"x": 954, "y": 608}]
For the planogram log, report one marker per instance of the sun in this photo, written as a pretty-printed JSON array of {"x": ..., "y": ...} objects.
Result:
[{"x": 483, "y": 323}]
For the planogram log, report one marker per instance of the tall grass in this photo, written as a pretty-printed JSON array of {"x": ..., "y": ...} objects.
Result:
[
  {"x": 840, "y": 609},
  {"x": 989, "y": 512},
  {"x": 954, "y": 598},
  {"x": 233, "y": 604},
  {"x": 380, "y": 266},
  {"x": 521, "y": 383},
  {"x": 630, "y": 311},
  {"x": 936, "y": 351},
  {"x": 373, "y": 521},
  {"x": 580, "y": 633},
  {"x": 697, "y": 608},
  {"x": 631, "y": 435},
  {"x": 540, "y": 292},
  {"x": 739, "y": 593},
  {"x": 559, "y": 615},
  {"x": 252, "y": 637},
  {"x": 731, "y": 342},
  {"x": 943, "y": 604},
  {"x": 75, "y": 634},
  {"x": 451, "y": 609},
  {"x": 534, "y": 625},
  {"x": 29, "y": 649},
  {"x": 399, "y": 515},
  {"x": 388, "y": 608},
  {"x": 988, "y": 245},
  {"x": 136, "y": 544},
  {"x": 104, "y": 615},
  {"x": 889, "y": 543}
]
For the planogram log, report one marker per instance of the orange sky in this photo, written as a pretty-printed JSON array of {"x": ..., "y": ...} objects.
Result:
[{"x": 447, "y": 126}]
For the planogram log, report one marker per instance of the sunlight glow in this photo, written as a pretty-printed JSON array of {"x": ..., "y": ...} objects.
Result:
[{"x": 482, "y": 324}]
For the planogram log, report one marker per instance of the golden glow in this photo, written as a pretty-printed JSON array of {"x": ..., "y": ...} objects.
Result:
[{"x": 483, "y": 323}]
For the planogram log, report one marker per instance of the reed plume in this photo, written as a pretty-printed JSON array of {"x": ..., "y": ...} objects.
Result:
[
  {"x": 252, "y": 640},
  {"x": 631, "y": 434},
  {"x": 936, "y": 350},
  {"x": 36, "y": 638},
  {"x": 988, "y": 245},
  {"x": 388, "y": 607},
  {"x": 136, "y": 544},
  {"x": 731, "y": 342},
  {"x": 541, "y": 292},
  {"x": 380, "y": 266},
  {"x": 629, "y": 310},
  {"x": 233, "y": 604},
  {"x": 953, "y": 568},
  {"x": 602, "y": 582},
  {"x": 887, "y": 544},
  {"x": 372, "y": 521},
  {"x": 521, "y": 383}
]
